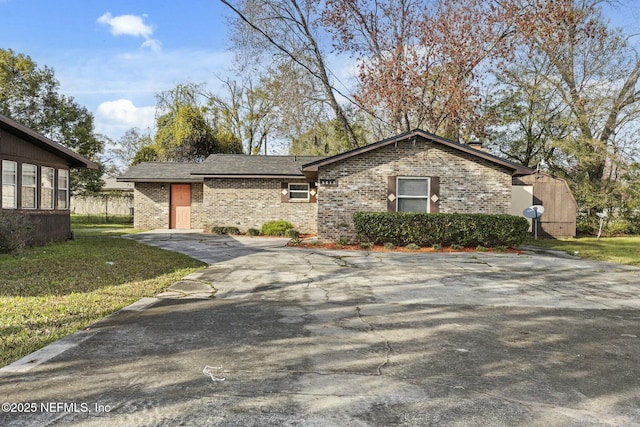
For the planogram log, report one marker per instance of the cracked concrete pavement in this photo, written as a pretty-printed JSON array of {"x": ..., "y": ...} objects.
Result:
[{"x": 271, "y": 335}]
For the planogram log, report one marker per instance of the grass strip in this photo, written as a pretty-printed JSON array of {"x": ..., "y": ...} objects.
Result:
[
  {"x": 55, "y": 290},
  {"x": 620, "y": 250}
]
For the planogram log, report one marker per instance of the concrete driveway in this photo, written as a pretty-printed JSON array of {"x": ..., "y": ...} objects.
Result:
[{"x": 329, "y": 338}]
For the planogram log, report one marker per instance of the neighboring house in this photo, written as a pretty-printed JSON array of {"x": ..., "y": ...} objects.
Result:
[
  {"x": 116, "y": 198},
  {"x": 35, "y": 179},
  {"x": 414, "y": 171}
]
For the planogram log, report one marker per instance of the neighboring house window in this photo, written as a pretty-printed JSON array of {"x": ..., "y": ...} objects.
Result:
[
  {"x": 9, "y": 184},
  {"x": 29, "y": 186},
  {"x": 299, "y": 192},
  {"x": 63, "y": 189},
  {"x": 47, "y": 196},
  {"x": 413, "y": 194}
]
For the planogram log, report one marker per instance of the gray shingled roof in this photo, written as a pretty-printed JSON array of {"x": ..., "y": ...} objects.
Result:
[
  {"x": 231, "y": 165},
  {"x": 244, "y": 166},
  {"x": 247, "y": 166},
  {"x": 161, "y": 172}
]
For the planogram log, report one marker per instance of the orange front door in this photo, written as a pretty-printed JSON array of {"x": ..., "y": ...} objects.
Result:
[{"x": 180, "y": 206}]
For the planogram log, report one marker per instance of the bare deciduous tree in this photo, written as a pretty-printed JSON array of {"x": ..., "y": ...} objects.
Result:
[{"x": 286, "y": 29}]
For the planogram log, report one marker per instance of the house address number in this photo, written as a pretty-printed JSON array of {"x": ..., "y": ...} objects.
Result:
[{"x": 328, "y": 182}]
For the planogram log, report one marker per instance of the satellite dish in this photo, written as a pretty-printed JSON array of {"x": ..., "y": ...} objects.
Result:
[{"x": 533, "y": 212}]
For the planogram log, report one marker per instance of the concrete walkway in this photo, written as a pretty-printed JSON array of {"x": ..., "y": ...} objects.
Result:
[{"x": 341, "y": 338}]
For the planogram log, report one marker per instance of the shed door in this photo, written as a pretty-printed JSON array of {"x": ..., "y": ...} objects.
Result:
[{"x": 180, "y": 206}]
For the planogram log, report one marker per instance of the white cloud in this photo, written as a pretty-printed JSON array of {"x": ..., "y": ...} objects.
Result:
[
  {"x": 153, "y": 44},
  {"x": 131, "y": 25},
  {"x": 114, "y": 118}
]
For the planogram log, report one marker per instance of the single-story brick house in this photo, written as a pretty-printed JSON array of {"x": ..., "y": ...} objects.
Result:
[
  {"x": 35, "y": 179},
  {"x": 414, "y": 171}
]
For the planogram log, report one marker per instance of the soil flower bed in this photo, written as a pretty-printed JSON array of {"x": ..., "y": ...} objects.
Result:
[{"x": 315, "y": 244}]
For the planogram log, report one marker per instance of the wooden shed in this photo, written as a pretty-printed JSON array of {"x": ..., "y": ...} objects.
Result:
[
  {"x": 560, "y": 207},
  {"x": 35, "y": 175}
]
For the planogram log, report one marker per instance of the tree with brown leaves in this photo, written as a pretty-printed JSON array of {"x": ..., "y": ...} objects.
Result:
[{"x": 420, "y": 61}]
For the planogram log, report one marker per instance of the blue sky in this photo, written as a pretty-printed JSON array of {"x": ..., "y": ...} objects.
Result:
[{"x": 114, "y": 56}]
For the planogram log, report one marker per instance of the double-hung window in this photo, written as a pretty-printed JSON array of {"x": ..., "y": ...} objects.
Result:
[
  {"x": 63, "y": 189},
  {"x": 413, "y": 194},
  {"x": 29, "y": 186},
  {"x": 9, "y": 184},
  {"x": 299, "y": 192},
  {"x": 47, "y": 195}
]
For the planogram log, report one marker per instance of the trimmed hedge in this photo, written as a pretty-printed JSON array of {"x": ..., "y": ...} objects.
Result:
[{"x": 424, "y": 229}]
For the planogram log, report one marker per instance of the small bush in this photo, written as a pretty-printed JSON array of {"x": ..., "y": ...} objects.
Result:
[
  {"x": 501, "y": 248},
  {"x": 293, "y": 234},
  {"x": 225, "y": 230},
  {"x": 456, "y": 247},
  {"x": 253, "y": 232},
  {"x": 412, "y": 247},
  {"x": 425, "y": 229},
  {"x": 276, "y": 228},
  {"x": 389, "y": 246},
  {"x": 15, "y": 233},
  {"x": 231, "y": 230},
  {"x": 366, "y": 246},
  {"x": 481, "y": 248},
  {"x": 343, "y": 241},
  {"x": 437, "y": 247}
]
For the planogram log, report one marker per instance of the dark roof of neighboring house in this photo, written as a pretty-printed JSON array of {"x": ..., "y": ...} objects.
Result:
[
  {"x": 243, "y": 166},
  {"x": 517, "y": 169},
  {"x": 74, "y": 159},
  {"x": 161, "y": 172}
]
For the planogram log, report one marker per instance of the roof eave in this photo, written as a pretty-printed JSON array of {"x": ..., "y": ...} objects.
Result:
[
  {"x": 159, "y": 180},
  {"x": 523, "y": 171},
  {"x": 265, "y": 176},
  {"x": 75, "y": 160}
]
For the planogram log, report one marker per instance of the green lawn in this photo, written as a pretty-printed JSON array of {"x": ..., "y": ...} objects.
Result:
[
  {"x": 621, "y": 250},
  {"x": 55, "y": 290}
]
